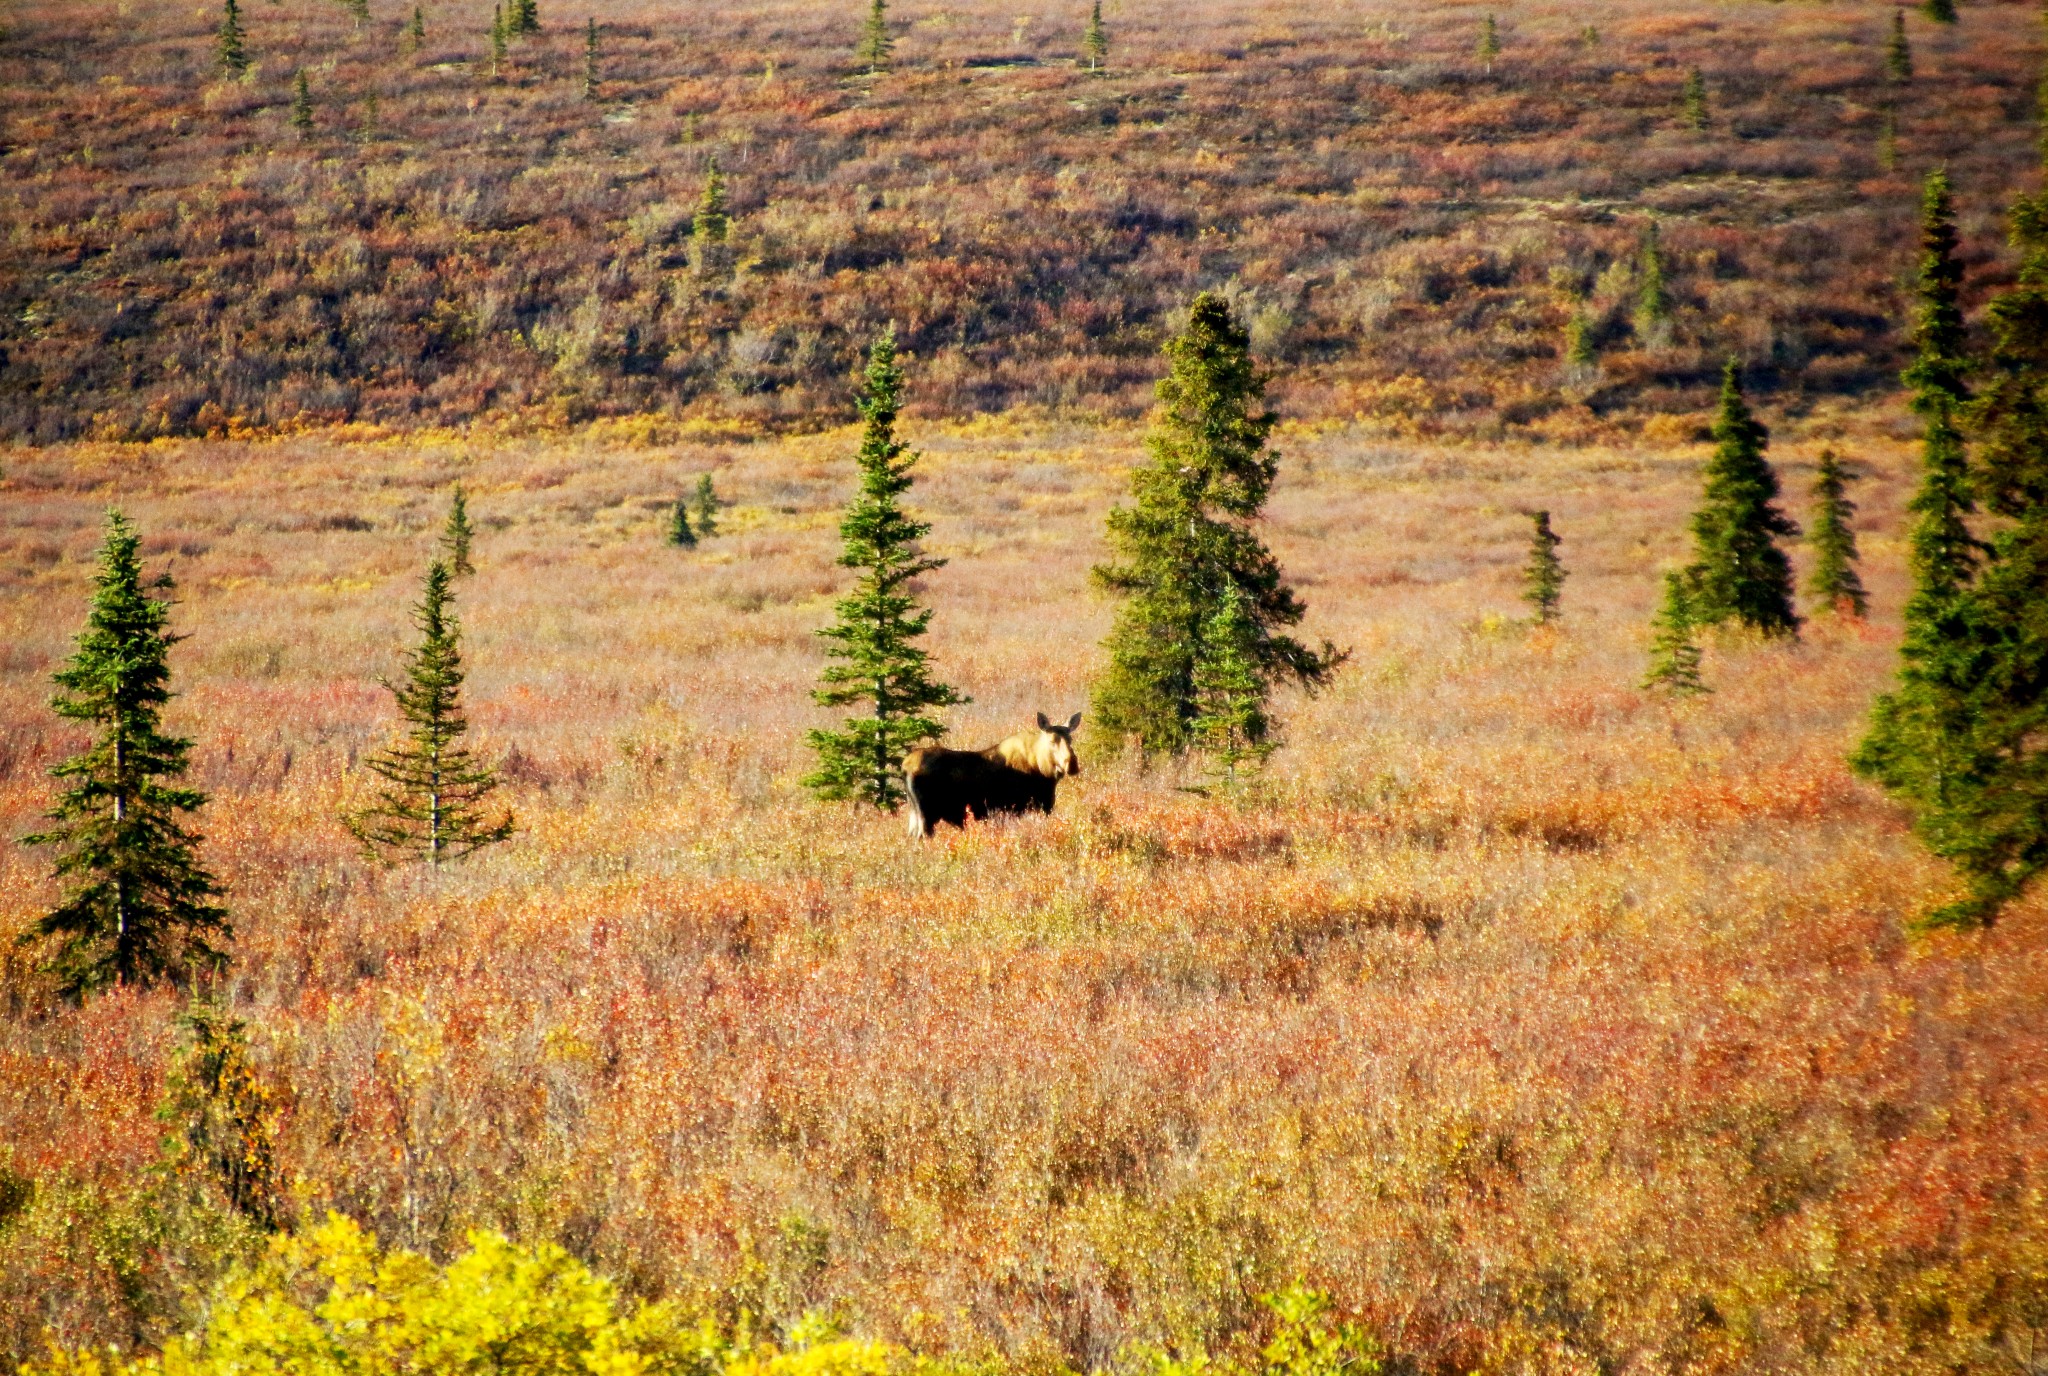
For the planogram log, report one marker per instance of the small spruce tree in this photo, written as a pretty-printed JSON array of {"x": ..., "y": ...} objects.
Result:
[
  {"x": 1581, "y": 354},
  {"x": 881, "y": 668},
  {"x": 1095, "y": 40},
  {"x": 434, "y": 805},
  {"x": 1740, "y": 574},
  {"x": 456, "y": 535},
  {"x": 358, "y": 11},
  {"x": 1189, "y": 536},
  {"x": 1898, "y": 51},
  {"x": 416, "y": 30},
  {"x": 138, "y": 905},
  {"x": 231, "y": 44},
  {"x": 679, "y": 532},
  {"x": 524, "y": 17},
  {"x": 1695, "y": 102},
  {"x": 712, "y": 224},
  {"x": 1834, "y": 584},
  {"x": 590, "y": 60},
  {"x": 499, "y": 38},
  {"x": 302, "y": 104},
  {"x": 1489, "y": 41},
  {"x": 1231, "y": 724},
  {"x": 1653, "y": 295},
  {"x": 1674, "y": 653},
  {"x": 1940, "y": 11},
  {"x": 226, "y": 1113},
  {"x": 1543, "y": 576},
  {"x": 707, "y": 503},
  {"x": 875, "y": 42}
]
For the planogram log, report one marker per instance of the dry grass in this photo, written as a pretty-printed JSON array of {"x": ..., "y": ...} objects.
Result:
[{"x": 1554, "y": 1029}]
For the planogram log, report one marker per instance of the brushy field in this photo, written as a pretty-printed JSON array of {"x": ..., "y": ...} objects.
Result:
[
  {"x": 1407, "y": 227},
  {"x": 1552, "y": 1028}
]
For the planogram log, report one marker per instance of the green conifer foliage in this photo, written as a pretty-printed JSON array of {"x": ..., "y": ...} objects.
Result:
[
  {"x": 1190, "y": 536},
  {"x": 707, "y": 496},
  {"x": 679, "y": 532},
  {"x": 1581, "y": 354},
  {"x": 712, "y": 224},
  {"x": 1543, "y": 576},
  {"x": 881, "y": 669},
  {"x": 1695, "y": 101},
  {"x": 1231, "y": 724},
  {"x": 524, "y": 17},
  {"x": 231, "y": 44},
  {"x": 138, "y": 905},
  {"x": 1740, "y": 572},
  {"x": 499, "y": 37},
  {"x": 1940, "y": 11},
  {"x": 358, "y": 11},
  {"x": 416, "y": 30},
  {"x": 226, "y": 1113},
  {"x": 455, "y": 536},
  {"x": 433, "y": 805},
  {"x": 302, "y": 104},
  {"x": 1095, "y": 40},
  {"x": 1674, "y": 653},
  {"x": 1653, "y": 296},
  {"x": 1834, "y": 584},
  {"x": 875, "y": 42},
  {"x": 1920, "y": 741},
  {"x": 590, "y": 60},
  {"x": 1489, "y": 41},
  {"x": 1898, "y": 51}
]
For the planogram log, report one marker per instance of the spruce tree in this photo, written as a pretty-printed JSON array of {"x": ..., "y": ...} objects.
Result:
[
  {"x": 1190, "y": 536},
  {"x": 358, "y": 11},
  {"x": 455, "y": 536},
  {"x": 1543, "y": 576},
  {"x": 1696, "y": 117},
  {"x": 590, "y": 60},
  {"x": 881, "y": 669},
  {"x": 138, "y": 905},
  {"x": 1489, "y": 41},
  {"x": 1834, "y": 584},
  {"x": 1940, "y": 11},
  {"x": 1898, "y": 51},
  {"x": 679, "y": 532},
  {"x": 1674, "y": 653},
  {"x": 302, "y": 104},
  {"x": 524, "y": 17},
  {"x": 712, "y": 223},
  {"x": 707, "y": 497},
  {"x": 499, "y": 37},
  {"x": 875, "y": 43},
  {"x": 1740, "y": 572},
  {"x": 226, "y": 1112},
  {"x": 416, "y": 30},
  {"x": 1581, "y": 354},
  {"x": 231, "y": 44},
  {"x": 1231, "y": 724},
  {"x": 1095, "y": 40},
  {"x": 433, "y": 806},
  {"x": 1919, "y": 743},
  {"x": 1653, "y": 296}
]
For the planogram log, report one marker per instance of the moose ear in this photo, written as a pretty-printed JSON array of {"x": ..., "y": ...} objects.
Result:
[
  {"x": 1074, "y": 722},
  {"x": 1043, "y": 724}
]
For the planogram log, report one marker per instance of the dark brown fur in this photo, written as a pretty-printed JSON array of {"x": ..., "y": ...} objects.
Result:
[{"x": 1018, "y": 775}]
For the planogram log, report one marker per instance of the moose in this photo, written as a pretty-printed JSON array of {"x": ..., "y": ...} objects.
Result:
[{"x": 1017, "y": 775}]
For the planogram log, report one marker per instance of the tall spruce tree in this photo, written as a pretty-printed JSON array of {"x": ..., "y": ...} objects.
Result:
[
  {"x": 1898, "y": 51},
  {"x": 1653, "y": 294},
  {"x": 456, "y": 535},
  {"x": 433, "y": 807},
  {"x": 590, "y": 59},
  {"x": 875, "y": 42},
  {"x": 1919, "y": 744},
  {"x": 231, "y": 44},
  {"x": 1095, "y": 40},
  {"x": 1740, "y": 573},
  {"x": 138, "y": 905},
  {"x": 1190, "y": 535},
  {"x": 1834, "y": 584},
  {"x": 302, "y": 104},
  {"x": 1695, "y": 102},
  {"x": 499, "y": 37},
  {"x": 1543, "y": 576},
  {"x": 1231, "y": 724},
  {"x": 1674, "y": 652},
  {"x": 881, "y": 668}
]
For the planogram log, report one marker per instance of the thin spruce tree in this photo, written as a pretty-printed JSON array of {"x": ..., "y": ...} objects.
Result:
[
  {"x": 881, "y": 669},
  {"x": 1674, "y": 650},
  {"x": 1489, "y": 42},
  {"x": 1898, "y": 51},
  {"x": 358, "y": 12},
  {"x": 302, "y": 104},
  {"x": 712, "y": 224},
  {"x": 416, "y": 30},
  {"x": 1231, "y": 724},
  {"x": 1190, "y": 536},
  {"x": 1918, "y": 744},
  {"x": 875, "y": 42},
  {"x": 1095, "y": 40},
  {"x": 590, "y": 60},
  {"x": 524, "y": 17},
  {"x": 138, "y": 906},
  {"x": 1581, "y": 353},
  {"x": 1740, "y": 573},
  {"x": 499, "y": 39},
  {"x": 1697, "y": 117},
  {"x": 456, "y": 536},
  {"x": 231, "y": 43},
  {"x": 432, "y": 804},
  {"x": 707, "y": 503},
  {"x": 679, "y": 532},
  {"x": 1834, "y": 586},
  {"x": 1543, "y": 576},
  {"x": 1653, "y": 294}
]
